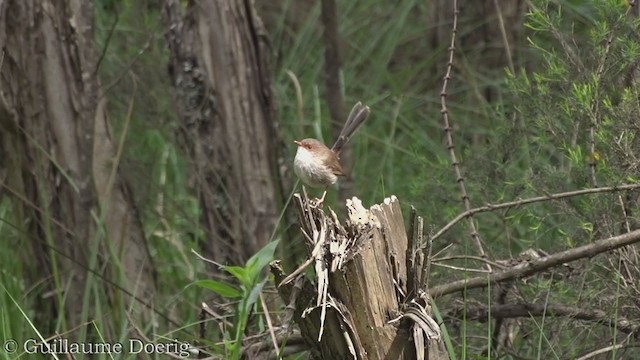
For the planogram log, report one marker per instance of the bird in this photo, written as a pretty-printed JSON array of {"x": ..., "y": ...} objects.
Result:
[{"x": 317, "y": 165}]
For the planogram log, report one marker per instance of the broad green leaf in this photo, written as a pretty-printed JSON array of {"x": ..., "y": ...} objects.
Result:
[
  {"x": 241, "y": 274},
  {"x": 253, "y": 296},
  {"x": 261, "y": 259},
  {"x": 219, "y": 288}
]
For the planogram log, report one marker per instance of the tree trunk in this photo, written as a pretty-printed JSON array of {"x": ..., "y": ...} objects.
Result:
[
  {"x": 368, "y": 301},
  {"x": 223, "y": 94},
  {"x": 49, "y": 108}
]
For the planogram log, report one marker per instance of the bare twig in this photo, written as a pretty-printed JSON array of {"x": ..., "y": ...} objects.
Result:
[
  {"x": 426, "y": 269},
  {"x": 548, "y": 197},
  {"x": 594, "y": 110},
  {"x": 505, "y": 40},
  {"x": 460, "y": 268},
  {"x": 533, "y": 266},
  {"x": 203, "y": 327},
  {"x": 112, "y": 29},
  {"x": 291, "y": 305},
  {"x": 149, "y": 341},
  {"x": 299, "y": 270},
  {"x": 481, "y": 312},
  {"x": 468, "y": 257},
  {"x": 447, "y": 129},
  {"x": 105, "y": 89},
  {"x": 299, "y": 99},
  {"x": 207, "y": 260},
  {"x": 625, "y": 214},
  {"x": 269, "y": 324},
  {"x": 573, "y": 57},
  {"x": 220, "y": 319},
  {"x": 124, "y": 133},
  {"x": 263, "y": 349},
  {"x": 606, "y": 349}
]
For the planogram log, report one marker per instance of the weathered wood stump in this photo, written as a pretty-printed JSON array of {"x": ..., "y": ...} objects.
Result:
[{"x": 366, "y": 299}]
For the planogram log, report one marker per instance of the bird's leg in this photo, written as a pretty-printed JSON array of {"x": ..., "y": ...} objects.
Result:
[
  {"x": 318, "y": 202},
  {"x": 323, "y": 195}
]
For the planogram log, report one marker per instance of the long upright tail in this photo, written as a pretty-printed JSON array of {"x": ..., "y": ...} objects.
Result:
[{"x": 358, "y": 115}]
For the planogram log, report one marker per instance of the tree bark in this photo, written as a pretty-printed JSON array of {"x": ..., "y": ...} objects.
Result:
[
  {"x": 224, "y": 98},
  {"x": 367, "y": 301},
  {"x": 49, "y": 108}
]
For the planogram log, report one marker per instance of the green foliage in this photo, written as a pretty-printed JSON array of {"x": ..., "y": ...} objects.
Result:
[
  {"x": 445, "y": 332},
  {"x": 251, "y": 281},
  {"x": 566, "y": 125},
  {"x": 12, "y": 285}
]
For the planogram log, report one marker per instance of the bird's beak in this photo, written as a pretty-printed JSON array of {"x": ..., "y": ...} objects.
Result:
[{"x": 299, "y": 143}]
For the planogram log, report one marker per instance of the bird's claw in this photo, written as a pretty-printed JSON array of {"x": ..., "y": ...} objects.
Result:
[{"x": 317, "y": 203}]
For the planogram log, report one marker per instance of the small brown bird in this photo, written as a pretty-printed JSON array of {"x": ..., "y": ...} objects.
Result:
[{"x": 318, "y": 166}]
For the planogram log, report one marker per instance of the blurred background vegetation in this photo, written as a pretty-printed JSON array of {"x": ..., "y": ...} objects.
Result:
[{"x": 544, "y": 95}]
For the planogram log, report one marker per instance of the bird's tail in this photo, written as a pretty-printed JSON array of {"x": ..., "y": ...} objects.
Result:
[{"x": 358, "y": 115}]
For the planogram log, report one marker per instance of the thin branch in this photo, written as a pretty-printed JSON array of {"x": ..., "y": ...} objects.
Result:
[
  {"x": 149, "y": 341},
  {"x": 548, "y": 197},
  {"x": 481, "y": 312},
  {"x": 105, "y": 89},
  {"x": 593, "y": 113},
  {"x": 603, "y": 350},
  {"x": 594, "y": 110},
  {"x": 447, "y": 129},
  {"x": 533, "y": 266},
  {"x": 625, "y": 214},
  {"x": 468, "y": 257},
  {"x": 263, "y": 349},
  {"x": 202, "y": 318},
  {"x": 426, "y": 269},
  {"x": 103, "y": 54},
  {"x": 269, "y": 323},
  {"x": 115, "y": 162},
  {"x": 459, "y": 268},
  {"x": 207, "y": 260},
  {"x": 557, "y": 34},
  {"x": 299, "y": 99},
  {"x": 505, "y": 39}
]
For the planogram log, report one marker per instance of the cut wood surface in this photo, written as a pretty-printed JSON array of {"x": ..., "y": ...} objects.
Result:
[{"x": 357, "y": 306}]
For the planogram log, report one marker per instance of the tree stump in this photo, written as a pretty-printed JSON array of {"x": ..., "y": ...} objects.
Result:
[{"x": 366, "y": 299}]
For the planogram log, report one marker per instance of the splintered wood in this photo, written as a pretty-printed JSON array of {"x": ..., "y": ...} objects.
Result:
[{"x": 358, "y": 304}]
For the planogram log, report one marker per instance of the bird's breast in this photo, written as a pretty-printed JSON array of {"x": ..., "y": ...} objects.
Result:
[{"x": 311, "y": 170}]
